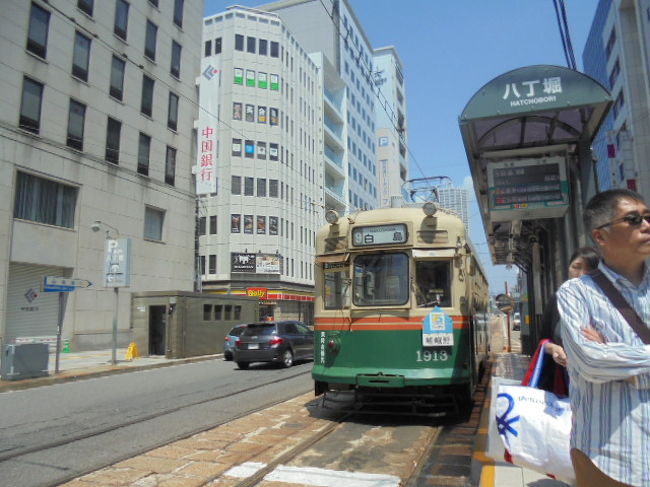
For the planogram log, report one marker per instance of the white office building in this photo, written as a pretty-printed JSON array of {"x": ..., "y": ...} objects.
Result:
[
  {"x": 97, "y": 109},
  {"x": 391, "y": 131},
  {"x": 259, "y": 163}
]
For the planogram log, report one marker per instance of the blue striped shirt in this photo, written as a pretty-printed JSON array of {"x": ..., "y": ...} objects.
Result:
[{"x": 611, "y": 416}]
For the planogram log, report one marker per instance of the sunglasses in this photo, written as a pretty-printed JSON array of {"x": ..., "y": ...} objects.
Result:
[{"x": 633, "y": 220}]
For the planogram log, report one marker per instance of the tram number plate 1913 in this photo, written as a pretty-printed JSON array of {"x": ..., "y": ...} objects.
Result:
[{"x": 438, "y": 339}]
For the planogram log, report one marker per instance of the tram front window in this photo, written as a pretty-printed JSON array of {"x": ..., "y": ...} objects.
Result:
[
  {"x": 381, "y": 280},
  {"x": 433, "y": 283},
  {"x": 336, "y": 290}
]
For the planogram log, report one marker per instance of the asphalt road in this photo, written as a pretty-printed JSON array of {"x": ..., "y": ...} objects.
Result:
[{"x": 55, "y": 433}]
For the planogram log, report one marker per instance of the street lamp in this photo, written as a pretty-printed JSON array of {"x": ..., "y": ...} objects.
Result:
[{"x": 112, "y": 264}]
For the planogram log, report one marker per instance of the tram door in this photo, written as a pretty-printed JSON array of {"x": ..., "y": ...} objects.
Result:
[{"x": 157, "y": 329}]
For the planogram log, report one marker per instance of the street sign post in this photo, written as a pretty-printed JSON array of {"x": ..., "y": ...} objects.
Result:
[{"x": 63, "y": 286}]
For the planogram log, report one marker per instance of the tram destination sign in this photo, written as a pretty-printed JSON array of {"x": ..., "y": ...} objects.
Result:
[
  {"x": 379, "y": 235},
  {"x": 528, "y": 189}
]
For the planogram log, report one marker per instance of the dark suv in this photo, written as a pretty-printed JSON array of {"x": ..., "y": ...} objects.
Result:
[{"x": 281, "y": 342}]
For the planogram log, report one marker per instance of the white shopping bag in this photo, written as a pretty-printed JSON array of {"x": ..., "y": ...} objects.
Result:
[
  {"x": 535, "y": 426},
  {"x": 495, "y": 448}
]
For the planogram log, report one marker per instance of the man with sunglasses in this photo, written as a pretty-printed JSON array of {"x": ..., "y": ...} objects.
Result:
[{"x": 608, "y": 363}]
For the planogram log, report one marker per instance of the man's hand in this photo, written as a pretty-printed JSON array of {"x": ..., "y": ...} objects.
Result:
[
  {"x": 557, "y": 352},
  {"x": 592, "y": 334}
]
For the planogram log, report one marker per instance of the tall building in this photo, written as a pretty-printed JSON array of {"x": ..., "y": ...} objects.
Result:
[
  {"x": 96, "y": 114},
  {"x": 391, "y": 132},
  {"x": 259, "y": 162},
  {"x": 331, "y": 28},
  {"x": 617, "y": 54},
  {"x": 456, "y": 200}
]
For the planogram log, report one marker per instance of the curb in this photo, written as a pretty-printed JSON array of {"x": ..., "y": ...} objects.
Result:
[{"x": 94, "y": 371}]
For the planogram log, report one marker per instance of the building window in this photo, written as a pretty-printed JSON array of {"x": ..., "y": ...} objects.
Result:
[
  {"x": 172, "y": 112},
  {"x": 178, "y": 12},
  {"x": 144, "y": 148},
  {"x": 207, "y": 308},
  {"x": 616, "y": 69},
  {"x": 217, "y": 45},
  {"x": 610, "y": 43},
  {"x": 207, "y": 49},
  {"x": 261, "y": 187},
  {"x": 39, "y": 20},
  {"x": 235, "y": 184},
  {"x": 250, "y": 44},
  {"x": 150, "y": 40},
  {"x": 86, "y": 6},
  {"x": 249, "y": 186},
  {"x": 239, "y": 42},
  {"x": 202, "y": 222},
  {"x": 76, "y": 117},
  {"x": 263, "y": 48},
  {"x": 235, "y": 223},
  {"x": 146, "y": 105},
  {"x": 236, "y": 147},
  {"x": 170, "y": 166},
  {"x": 30, "y": 105},
  {"x": 273, "y": 188},
  {"x": 227, "y": 314},
  {"x": 275, "y": 52},
  {"x": 117, "y": 78},
  {"x": 213, "y": 224},
  {"x": 202, "y": 272},
  {"x": 153, "y": 223},
  {"x": 113, "y": 129},
  {"x": 44, "y": 201},
  {"x": 248, "y": 224},
  {"x": 121, "y": 18},
  {"x": 175, "y": 68},
  {"x": 212, "y": 264},
  {"x": 249, "y": 148},
  {"x": 218, "y": 311},
  {"x": 154, "y": 2},
  {"x": 81, "y": 56}
]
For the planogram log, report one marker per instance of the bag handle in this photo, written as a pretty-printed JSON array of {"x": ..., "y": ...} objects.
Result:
[
  {"x": 623, "y": 307},
  {"x": 534, "y": 371}
]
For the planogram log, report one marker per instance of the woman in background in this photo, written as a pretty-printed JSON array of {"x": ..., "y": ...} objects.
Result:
[{"x": 554, "y": 377}]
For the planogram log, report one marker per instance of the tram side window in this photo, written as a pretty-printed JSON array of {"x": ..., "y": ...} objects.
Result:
[
  {"x": 381, "y": 280},
  {"x": 433, "y": 280},
  {"x": 336, "y": 287}
]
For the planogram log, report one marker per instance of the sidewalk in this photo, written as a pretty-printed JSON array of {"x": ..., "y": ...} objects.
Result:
[{"x": 78, "y": 365}]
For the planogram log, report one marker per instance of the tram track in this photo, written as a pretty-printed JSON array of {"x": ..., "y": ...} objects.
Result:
[{"x": 143, "y": 419}]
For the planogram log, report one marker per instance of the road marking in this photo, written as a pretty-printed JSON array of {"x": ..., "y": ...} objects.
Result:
[
  {"x": 315, "y": 476},
  {"x": 245, "y": 470},
  {"x": 330, "y": 478}
]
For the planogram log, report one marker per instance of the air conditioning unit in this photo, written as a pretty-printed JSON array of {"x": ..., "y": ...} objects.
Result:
[{"x": 24, "y": 361}]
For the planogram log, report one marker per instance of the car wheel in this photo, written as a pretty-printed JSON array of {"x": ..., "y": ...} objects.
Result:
[
  {"x": 243, "y": 365},
  {"x": 287, "y": 358}
]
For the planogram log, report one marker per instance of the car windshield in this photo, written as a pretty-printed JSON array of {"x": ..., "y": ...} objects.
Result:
[{"x": 258, "y": 330}]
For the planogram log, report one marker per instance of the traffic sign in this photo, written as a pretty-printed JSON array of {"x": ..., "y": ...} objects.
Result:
[{"x": 55, "y": 284}]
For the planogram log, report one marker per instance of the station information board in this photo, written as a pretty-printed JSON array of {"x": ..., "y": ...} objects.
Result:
[{"x": 528, "y": 189}]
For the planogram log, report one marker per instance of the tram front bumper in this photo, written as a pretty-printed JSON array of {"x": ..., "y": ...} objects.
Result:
[{"x": 366, "y": 377}]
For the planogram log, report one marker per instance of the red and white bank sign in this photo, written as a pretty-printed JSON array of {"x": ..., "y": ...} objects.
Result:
[{"x": 206, "y": 164}]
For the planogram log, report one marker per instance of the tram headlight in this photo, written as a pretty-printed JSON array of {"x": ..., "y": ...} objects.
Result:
[
  {"x": 429, "y": 208},
  {"x": 331, "y": 216}
]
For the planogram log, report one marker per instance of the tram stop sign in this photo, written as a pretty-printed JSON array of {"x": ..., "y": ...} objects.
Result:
[{"x": 504, "y": 303}]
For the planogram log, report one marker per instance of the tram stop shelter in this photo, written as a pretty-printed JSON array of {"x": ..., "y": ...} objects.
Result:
[{"x": 528, "y": 135}]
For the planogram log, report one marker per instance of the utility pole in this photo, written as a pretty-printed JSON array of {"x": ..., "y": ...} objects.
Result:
[{"x": 508, "y": 320}]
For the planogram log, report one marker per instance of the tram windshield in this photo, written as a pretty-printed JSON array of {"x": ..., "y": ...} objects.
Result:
[
  {"x": 381, "y": 279},
  {"x": 336, "y": 286},
  {"x": 433, "y": 286}
]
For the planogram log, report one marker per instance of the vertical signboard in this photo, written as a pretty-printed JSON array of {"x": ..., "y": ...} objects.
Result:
[{"x": 205, "y": 170}]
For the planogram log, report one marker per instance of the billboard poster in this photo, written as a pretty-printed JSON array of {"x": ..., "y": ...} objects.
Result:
[
  {"x": 235, "y": 223},
  {"x": 242, "y": 262},
  {"x": 250, "y": 78},
  {"x": 273, "y": 152},
  {"x": 236, "y": 147},
  {"x": 261, "y": 114},
  {"x": 248, "y": 223},
  {"x": 273, "y": 113},
  {"x": 261, "y": 150},
  {"x": 273, "y": 225},
  {"x": 262, "y": 80},
  {"x": 250, "y": 113},
  {"x": 267, "y": 264},
  {"x": 249, "y": 148},
  {"x": 239, "y": 76},
  {"x": 236, "y": 111},
  {"x": 275, "y": 82},
  {"x": 261, "y": 225}
]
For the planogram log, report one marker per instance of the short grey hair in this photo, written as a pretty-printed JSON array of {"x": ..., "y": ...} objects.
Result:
[{"x": 601, "y": 208}]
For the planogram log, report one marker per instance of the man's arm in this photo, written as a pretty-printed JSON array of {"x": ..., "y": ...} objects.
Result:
[{"x": 598, "y": 362}]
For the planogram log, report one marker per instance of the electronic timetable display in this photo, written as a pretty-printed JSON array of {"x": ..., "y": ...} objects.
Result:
[{"x": 379, "y": 235}]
